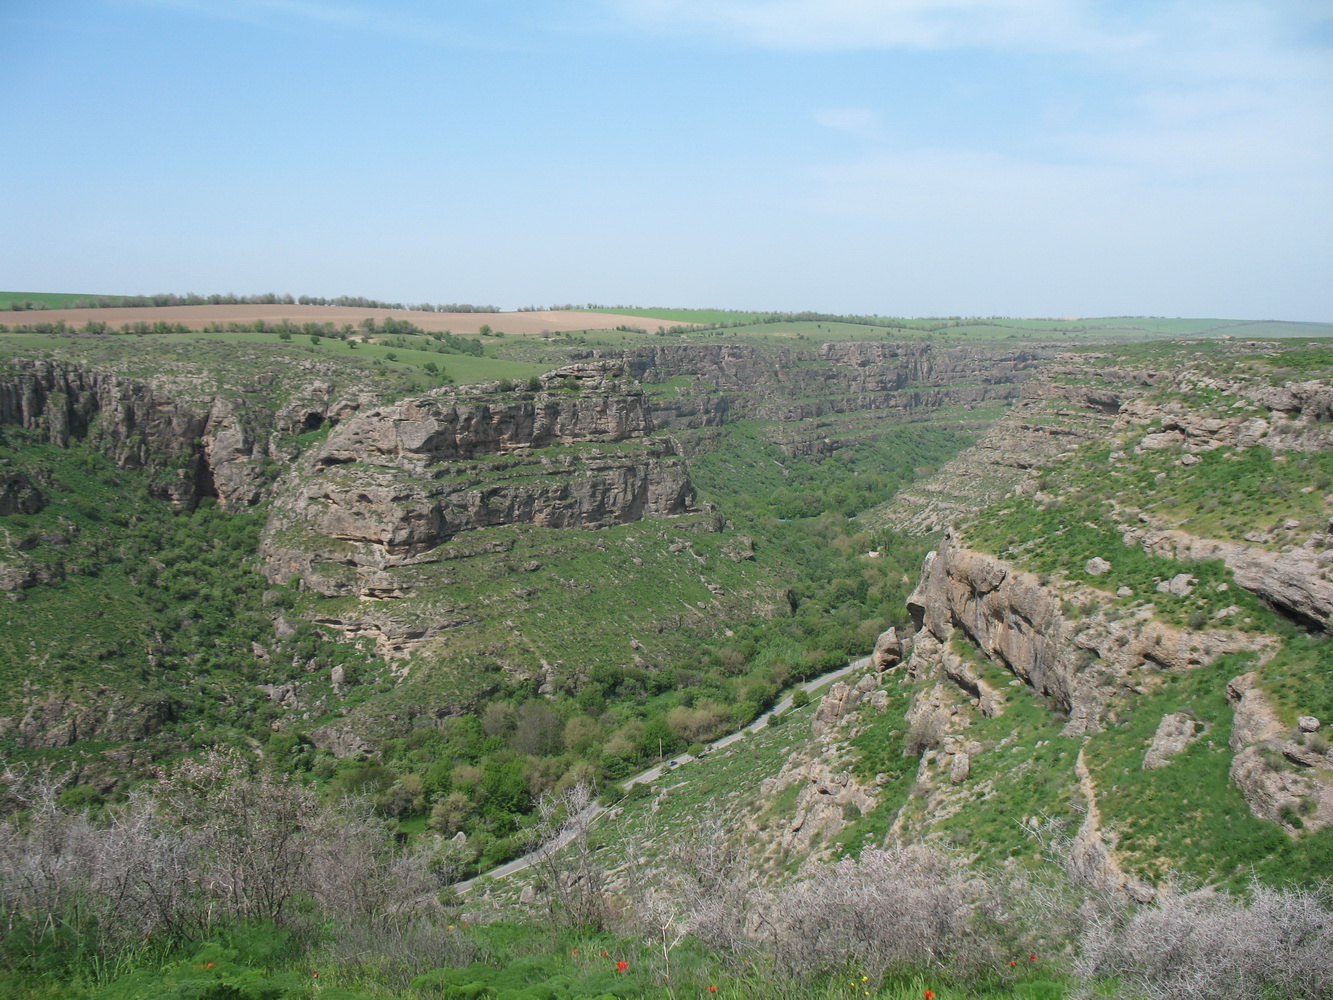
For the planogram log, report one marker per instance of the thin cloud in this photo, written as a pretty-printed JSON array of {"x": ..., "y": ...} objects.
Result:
[
  {"x": 862, "y": 122},
  {"x": 824, "y": 25},
  {"x": 379, "y": 19}
]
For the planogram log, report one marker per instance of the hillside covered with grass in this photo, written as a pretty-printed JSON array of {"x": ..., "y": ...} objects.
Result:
[{"x": 302, "y": 628}]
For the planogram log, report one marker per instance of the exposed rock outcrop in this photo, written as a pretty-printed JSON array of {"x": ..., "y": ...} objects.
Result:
[
  {"x": 1174, "y": 733},
  {"x": 19, "y": 494},
  {"x": 732, "y": 381},
  {"x": 206, "y": 442},
  {"x": 1078, "y": 663},
  {"x": 450, "y": 426},
  {"x": 1299, "y": 582},
  {"x": 1297, "y": 417},
  {"x": 828, "y": 795},
  {"x": 888, "y": 652},
  {"x": 1282, "y": 780},
  {"x": 60, "y": 720},
  {"x": 395, "y": 482}
]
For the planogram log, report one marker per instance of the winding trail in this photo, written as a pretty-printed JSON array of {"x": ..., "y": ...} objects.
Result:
[{"x": 584, "y": 818}]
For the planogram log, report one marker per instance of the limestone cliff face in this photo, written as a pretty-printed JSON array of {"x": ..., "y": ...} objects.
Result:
[
  {"x": 1016, "y": 619},
  {"x": 394, "y": 482},
  {"x": 60, "y": 720},
  {"x": 897, "y": 365},
  {"x": 1283, "y": 781},
  {"x": 18, "y": 493},
  {"x": 134, "y": 424},
  {"x": 1299, "y": 417},
  {"x": 369, "y": 518},
  {"x": 1298, "y": 582},
  {"x": 737, "y": 381},
  {"x": 451, "y": 426},
  {"x": 207, "y": 443}
]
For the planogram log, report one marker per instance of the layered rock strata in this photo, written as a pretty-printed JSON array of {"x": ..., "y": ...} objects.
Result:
[
  {"x": 207, "y": 442},
  {"x": 394, "y": 482},
  {"x": 1079, "y": 663}
]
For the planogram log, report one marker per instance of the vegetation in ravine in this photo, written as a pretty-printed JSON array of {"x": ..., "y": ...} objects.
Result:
[
  {"x": 696, "y": 677},
  {"x": 146, "y": 610},
  {"x": 132, "y": 581}
]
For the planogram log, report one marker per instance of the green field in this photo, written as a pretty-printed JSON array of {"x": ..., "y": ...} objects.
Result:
[
  {"x": 380, "y": 359},
  {"x": 707, "y": 317},
  {"x": 48, "y": 300},
  {"x": 948, "y": 331}
]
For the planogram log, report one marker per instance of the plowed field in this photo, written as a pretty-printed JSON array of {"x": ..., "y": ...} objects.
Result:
[{"x": 198, "y": 317}]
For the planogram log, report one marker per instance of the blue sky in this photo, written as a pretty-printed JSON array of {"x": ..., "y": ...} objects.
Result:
[{"x": 910, "y": 157}]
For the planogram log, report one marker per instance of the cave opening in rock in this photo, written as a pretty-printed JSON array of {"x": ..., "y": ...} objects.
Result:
[{"x": 204, "y": 483}]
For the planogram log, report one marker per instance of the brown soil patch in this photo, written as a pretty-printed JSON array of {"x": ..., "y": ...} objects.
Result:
[{"x": 197, "y": 317}]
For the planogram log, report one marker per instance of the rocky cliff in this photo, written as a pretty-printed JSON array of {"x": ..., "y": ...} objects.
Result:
[
  {"x": 738, "y": 380},
  {"x": 1090, "y": 668},
  {"x": 394, "y": 482},
  {"x": 206, "y": 440},
  {"x": 1057, "y": 640}
]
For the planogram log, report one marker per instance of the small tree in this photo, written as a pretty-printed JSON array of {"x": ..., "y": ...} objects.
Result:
[{"x": 566, "y": 863}]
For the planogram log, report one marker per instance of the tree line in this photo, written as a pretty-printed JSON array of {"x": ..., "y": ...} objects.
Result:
[{"x": 232, "y": 299}]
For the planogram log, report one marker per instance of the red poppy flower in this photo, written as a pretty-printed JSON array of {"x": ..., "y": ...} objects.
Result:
[
  {"x": 929, "y": 995},
  {"x": 1012, "y": 963},
  {"x": 622, "y": 965},
  {"x": 606, "y": 954},
  {"x": 209, "y": 965},
  {"x": 1032, "y": 958},
  {"x": 713, "y": 988}
]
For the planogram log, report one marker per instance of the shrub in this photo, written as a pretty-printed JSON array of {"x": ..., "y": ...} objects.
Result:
[
  {"x": 903, "y": 908},
  {"x": 1208, "y": 945}
]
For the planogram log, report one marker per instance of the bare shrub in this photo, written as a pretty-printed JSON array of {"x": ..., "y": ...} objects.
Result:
[
  {"x": 568, "y": 870},
  {"x": 216, "y": 844},
  {"x": 248, "y": 834},
  {"x": 927, "y": 729},
  {"x": 357, "y": 872},
  {"x": 896, "y": 908},
  {"x": 715, "y": 878},
  {"x": 1208, "y": 945}
]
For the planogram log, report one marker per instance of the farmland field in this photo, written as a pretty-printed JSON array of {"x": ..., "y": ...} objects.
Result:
[{"x": 198, "y": 317}]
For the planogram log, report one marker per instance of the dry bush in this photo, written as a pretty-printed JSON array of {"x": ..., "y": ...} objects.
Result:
[
  {"x": 569, "y": 873},
  {"x": 721, "y": 891},
  {"x": 248, "y": 836},
  {"x": 1208, "y": 945},
  {"x": 897, "y": 908},
  {"x": 358, "y": 873},
  {"x": 216, "y": 844}
]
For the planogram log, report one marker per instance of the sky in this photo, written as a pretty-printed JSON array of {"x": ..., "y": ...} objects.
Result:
[{"x": 900, "y": 157}]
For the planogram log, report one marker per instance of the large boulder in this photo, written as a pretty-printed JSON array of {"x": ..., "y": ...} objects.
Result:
[
  {"x": 1174, "y": 733},
  {"x": 888, "y": 651}
]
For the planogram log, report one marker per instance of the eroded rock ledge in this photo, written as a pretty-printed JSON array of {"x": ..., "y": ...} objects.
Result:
[
  {"x": 394, "y": 482},
  {"x": 1077, "y": 663}
]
